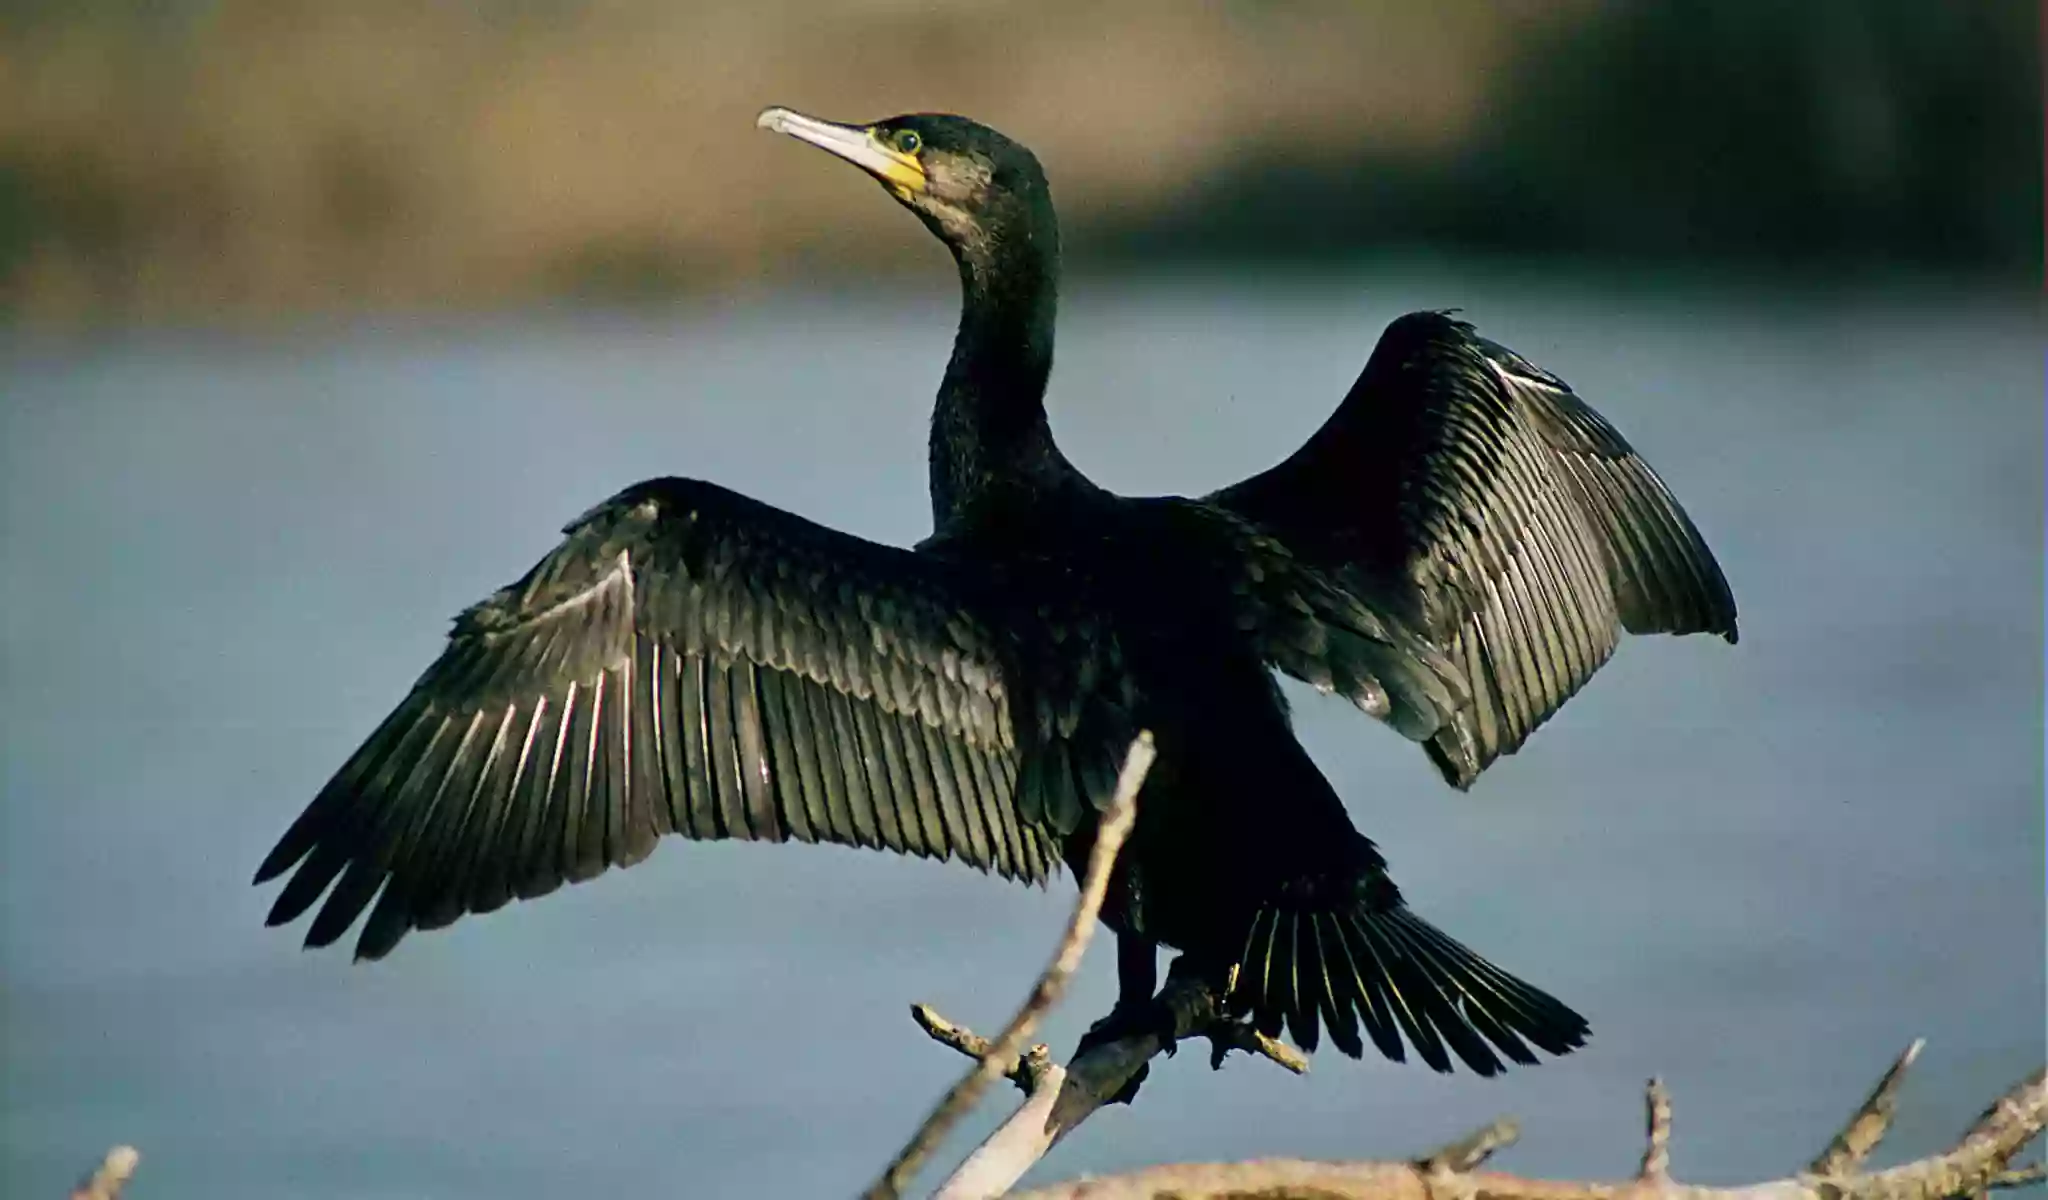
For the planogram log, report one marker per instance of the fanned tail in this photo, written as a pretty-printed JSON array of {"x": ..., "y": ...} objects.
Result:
[{"x": 1380, "y": 967}]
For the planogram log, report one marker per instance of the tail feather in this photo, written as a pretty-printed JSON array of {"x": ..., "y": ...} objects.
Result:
[
  {"x": 1340, "y": 1017},
  {"x": 1403, "y": 982},
  {"x": 1310, "y": 986},
  {"x": 1369, "y": 997}
]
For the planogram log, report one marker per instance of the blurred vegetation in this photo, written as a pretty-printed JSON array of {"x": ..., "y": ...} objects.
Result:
[
  {"x": 1822, "y": 134},
  {"x": 229, "y": 159}
]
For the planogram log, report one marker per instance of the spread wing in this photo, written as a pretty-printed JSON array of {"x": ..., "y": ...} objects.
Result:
[
  {"x": 691, "y": 661},
  {"x": 1477, "y": 495}
]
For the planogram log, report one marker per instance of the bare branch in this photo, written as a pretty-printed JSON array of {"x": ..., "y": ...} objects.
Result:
[
  {"x": 2019, "y": 1176},
  {"x": 1976, "y": 1164},
  {"x": 1004, "y": 1156},
  {"x": 1867, "y": 1128},
  {"x": 1026, "y": 1071},
  {"x": 113, "y": 1174},
  {"x": 1226, "y": 1035},
  {"x": 1656, "y": 1166},
  {"x": 1260, "y": 1179},
  {"x": 1223, "y": 1033},
  {"x": 1065, "y": 1097},
  {"x": 1471, "y": 1150},
  {"x": 946, "y": 1033},
  {"x": 2014, "y": 1118},
  {"x": 1002, "y": 1056},
  {"x": 1058, "y": 1099}
]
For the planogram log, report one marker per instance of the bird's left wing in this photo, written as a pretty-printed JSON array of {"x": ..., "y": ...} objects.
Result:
[
  {"x": 1476, "y": 496},
  {"x": 688, "y": 660}
]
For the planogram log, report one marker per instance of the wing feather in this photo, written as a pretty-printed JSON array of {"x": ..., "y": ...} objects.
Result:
[
  {"x": 689, "y": 661},
  {"x": 780, "y": 724},
  {"x": 1474, "y": 495}
]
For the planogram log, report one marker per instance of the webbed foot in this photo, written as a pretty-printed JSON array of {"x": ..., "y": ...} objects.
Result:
[{"x": 1132, "y": 1019}]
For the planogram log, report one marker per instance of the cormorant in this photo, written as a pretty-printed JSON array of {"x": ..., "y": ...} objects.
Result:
[{"x": 1455, "y": 551}]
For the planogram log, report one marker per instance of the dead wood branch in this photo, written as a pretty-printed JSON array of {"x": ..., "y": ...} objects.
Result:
[
  {"x": 1869, "y": 1123},
  {"x": 113, "y": 1174},
  {"x": 1977, "y": 1163},
  {"x": 1469, "y": 1151},
  {"x": 1027, "y": 1071},
  {"x": 1656, "y": 1166},
  {"x": 1003, "y": 1056},
  {"x": 1059, "y": 1098}
]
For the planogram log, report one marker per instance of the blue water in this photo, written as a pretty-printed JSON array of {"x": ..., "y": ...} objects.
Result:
[{"x": 1759, "y": 870}]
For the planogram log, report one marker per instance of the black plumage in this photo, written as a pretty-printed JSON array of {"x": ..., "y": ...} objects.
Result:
[
  {"x": 1486, "y": 503},
  {"x": 1454, "y": 552}
]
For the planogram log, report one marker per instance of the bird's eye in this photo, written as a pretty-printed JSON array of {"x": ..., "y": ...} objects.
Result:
[{"x": 906, "y": 141}]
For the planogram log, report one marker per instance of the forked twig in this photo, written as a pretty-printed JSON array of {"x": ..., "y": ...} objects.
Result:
[
  {"x": 1060, "y": 1098},
  {"x": 113, "y": 1174},
  {"x": 1656, "y": 1166},
  {"x": 1978, "y": 1163},
  {"x": 1870, "y": 1121},
  {"x": 1002, "y": 1056},
  {"x": 1468, "y": 1152}
]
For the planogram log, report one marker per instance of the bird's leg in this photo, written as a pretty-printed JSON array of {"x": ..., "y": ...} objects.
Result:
[
  {"x": 1137, "y": 969},
  {"x": 1138, "y": 1009}
]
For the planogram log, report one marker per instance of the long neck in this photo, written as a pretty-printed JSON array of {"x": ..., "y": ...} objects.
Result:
[{"x": 990, "y": 439}]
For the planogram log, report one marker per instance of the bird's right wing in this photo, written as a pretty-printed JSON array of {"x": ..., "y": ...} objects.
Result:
[{"x": 688, "y": 660}]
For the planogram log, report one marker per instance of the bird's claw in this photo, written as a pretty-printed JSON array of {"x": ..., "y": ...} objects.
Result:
[{"x": 1144, "y": 1018}]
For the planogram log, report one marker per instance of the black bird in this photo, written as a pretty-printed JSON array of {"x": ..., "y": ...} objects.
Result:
[{"x": 1455, "y": 552}]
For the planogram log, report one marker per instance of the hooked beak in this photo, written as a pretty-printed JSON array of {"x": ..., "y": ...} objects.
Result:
[{"x": 901, "y": 172}]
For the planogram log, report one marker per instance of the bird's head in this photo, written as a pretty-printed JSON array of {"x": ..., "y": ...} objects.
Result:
[{"x": 974, "y": 187}]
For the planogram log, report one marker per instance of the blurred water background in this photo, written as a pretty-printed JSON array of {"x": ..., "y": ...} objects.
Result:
[{"x": 321, "y": 322}]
